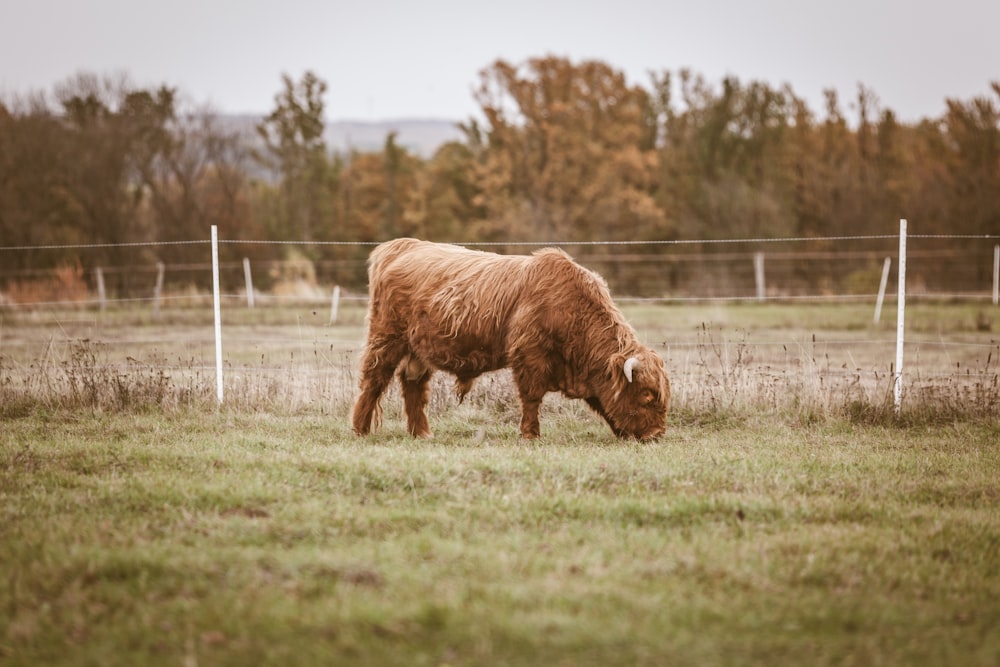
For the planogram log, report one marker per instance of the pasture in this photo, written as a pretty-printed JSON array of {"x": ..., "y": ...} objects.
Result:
[{"x": 787, "y": 516}]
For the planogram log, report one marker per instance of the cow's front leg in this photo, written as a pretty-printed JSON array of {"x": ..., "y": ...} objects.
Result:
[
  {"x": 531, "y": 393},
  {"x": 530, "y": 428}
]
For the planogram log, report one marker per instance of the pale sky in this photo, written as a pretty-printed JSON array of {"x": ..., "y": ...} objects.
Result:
[{"x": 390, "y": 59}]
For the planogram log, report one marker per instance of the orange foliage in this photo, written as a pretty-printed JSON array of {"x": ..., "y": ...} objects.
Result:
[{"x": 65, "y": 284}]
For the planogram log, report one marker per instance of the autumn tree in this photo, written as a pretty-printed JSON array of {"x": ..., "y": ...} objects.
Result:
[
  {"x": 32, "y": 180},
  {"x": 111, "y": 130},
  {"x": 972, "y": 139},
  {"x": 566, "y": 152},
  {"x": 197, "y": 178},
  {"x": 723, "y": 155},
  {"x": 561, "y": 151},
  {"x": 381, "y": 193},
  {"x": 106, "y": 162},
  {"x": 114, "y": 129},
  {"x": 450, "y": 199},
  {"x": 295, "y": 149}
]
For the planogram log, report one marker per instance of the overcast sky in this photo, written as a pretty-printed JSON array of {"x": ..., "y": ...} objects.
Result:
[{"x": 421, "y": 58}]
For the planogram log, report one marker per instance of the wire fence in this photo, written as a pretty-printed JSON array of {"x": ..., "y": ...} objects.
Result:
[
  {"x": 790, "y": 269},
  {"x": 763, "y": 317}
]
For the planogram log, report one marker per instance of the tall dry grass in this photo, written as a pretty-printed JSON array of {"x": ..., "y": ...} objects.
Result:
[{"x": 711, "y": 382}]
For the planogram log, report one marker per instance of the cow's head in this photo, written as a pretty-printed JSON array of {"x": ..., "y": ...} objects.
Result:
[{"x": 635, "y": 400}]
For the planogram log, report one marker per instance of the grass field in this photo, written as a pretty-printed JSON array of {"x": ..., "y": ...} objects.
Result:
[{"x": 787, "y": 516}]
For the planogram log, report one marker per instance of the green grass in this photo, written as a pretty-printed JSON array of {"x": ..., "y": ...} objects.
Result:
[
  {"x": 197, "y": 537},
  {"x": 787, "y": 517}
]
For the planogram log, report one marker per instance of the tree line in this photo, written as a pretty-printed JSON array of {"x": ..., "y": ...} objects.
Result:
[{"x": 561, "y": 151}]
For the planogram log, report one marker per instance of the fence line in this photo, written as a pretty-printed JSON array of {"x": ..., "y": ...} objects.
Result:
[
  {"x": 723, "y": 257},
  {"x": 632, "y": 242},
  {"x": 790, "y": 276},
  {"x": 725, "y": 342},
  {"x": 91, "y": 246},
  {"x": 332, "y": 372},
  {"x": 760, "y": 263},
  {"x": 263, "y": 299}
]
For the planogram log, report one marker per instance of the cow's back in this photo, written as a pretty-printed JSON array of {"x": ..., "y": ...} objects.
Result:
[
  {"x": 453, "y": 304},
  {"x": 442, "y": 277}
]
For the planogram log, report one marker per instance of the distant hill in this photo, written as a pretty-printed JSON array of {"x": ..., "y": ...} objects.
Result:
[{"x": 420, "y": 136}]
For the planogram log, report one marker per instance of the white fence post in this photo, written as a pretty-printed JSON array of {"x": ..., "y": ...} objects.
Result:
[
  {"x": 102, "y": 295},
  {"x": 218, "y": 313},
  {"x": 897, "y": 387},
  {"x": 881, "y": 289},
  {"x": 158, "y": 289},
  {"x": 249, "y": 281},
  {"x": 758, "y": 275},
  {"x": 996, "y": 274},
  {"x": 335, "y": 304}
]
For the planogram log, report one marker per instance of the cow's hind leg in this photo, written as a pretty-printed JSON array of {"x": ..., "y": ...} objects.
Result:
[
  {"x": 415, "y": 377},
  {"x": 379, "y": 362}
]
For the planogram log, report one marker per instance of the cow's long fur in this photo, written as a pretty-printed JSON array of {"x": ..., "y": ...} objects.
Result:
[{"x": 442, "y": 307}]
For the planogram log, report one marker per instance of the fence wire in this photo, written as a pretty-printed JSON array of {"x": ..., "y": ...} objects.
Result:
[{"x": 291, "y": 335}]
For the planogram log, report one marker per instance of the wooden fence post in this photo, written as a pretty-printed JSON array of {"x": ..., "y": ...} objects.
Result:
[
  {"x": 217, "y": 301},
  {"x": 758, "y": 275},
  {"x": 335, "y": 304},
  {"x": 996, "y": 274},
  {"x": 881, "y": 289},
  {"x": 102, "y": 296},
  {"x": 158, "y": 290},
  {"x": 897, "y": 385},
  {"x": 249, "y": 281}
]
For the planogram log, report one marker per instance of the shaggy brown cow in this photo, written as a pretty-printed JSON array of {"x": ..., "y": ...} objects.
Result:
[{"x": 442, "y": 307}]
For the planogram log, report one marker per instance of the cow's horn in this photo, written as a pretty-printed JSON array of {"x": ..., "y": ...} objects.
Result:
[{"x": 630, "y": 365}]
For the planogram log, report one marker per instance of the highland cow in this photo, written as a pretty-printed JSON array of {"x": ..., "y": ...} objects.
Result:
[{"x": 551, "y": 321}]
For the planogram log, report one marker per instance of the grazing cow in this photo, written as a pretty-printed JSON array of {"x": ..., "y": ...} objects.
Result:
[{"x": 442, "y": 307}]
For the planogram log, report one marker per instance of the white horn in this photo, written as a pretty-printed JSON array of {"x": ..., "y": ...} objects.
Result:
[{"x": 630, "y": 365}]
